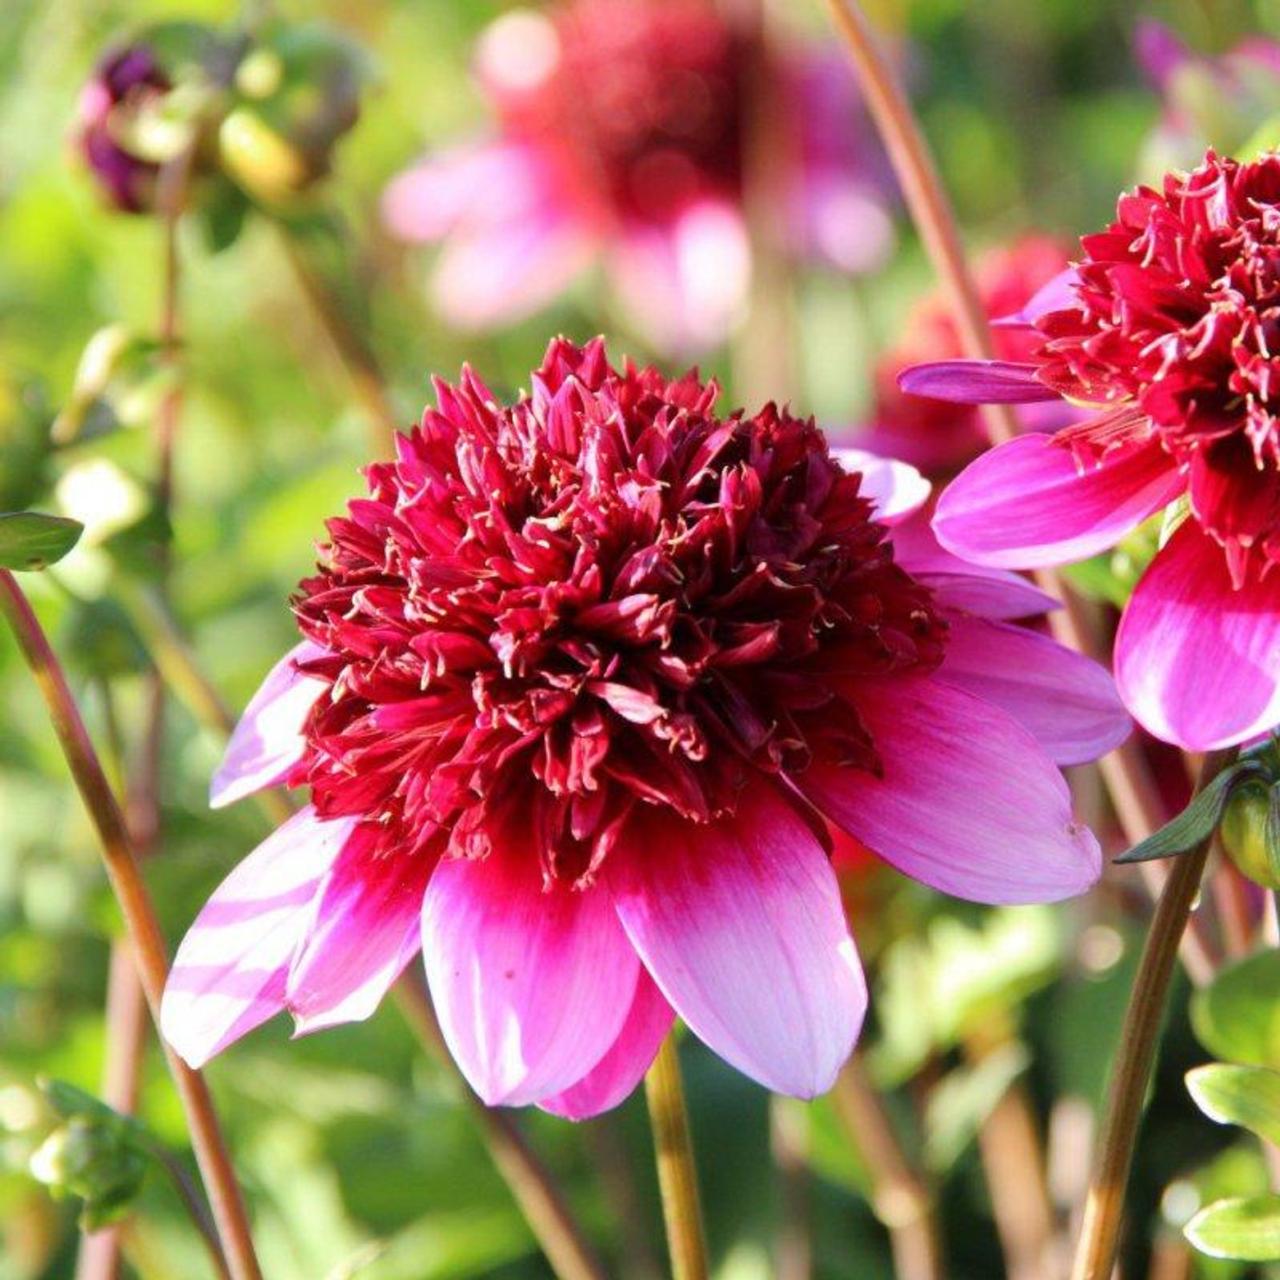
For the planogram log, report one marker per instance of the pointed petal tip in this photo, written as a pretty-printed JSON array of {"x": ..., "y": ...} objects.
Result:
[{"x": 975, "y": 382}]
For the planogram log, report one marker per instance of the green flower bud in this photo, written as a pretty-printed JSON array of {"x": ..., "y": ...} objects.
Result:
[{"x": 1244, "y": 835}]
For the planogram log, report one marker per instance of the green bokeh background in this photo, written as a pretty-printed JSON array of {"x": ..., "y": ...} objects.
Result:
[{"x": 356, "y": 1156}]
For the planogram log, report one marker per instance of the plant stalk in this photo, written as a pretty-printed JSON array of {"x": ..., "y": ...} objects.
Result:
[
  {"x": 140, "y": 920},
  {"x": 1139, "y": 1039},
  {"x": 677, "y": 1176}
]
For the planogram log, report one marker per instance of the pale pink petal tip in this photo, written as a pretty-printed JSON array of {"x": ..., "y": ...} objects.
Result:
[
  {"x": 969, "y": 803},
  {"x": 895, "y": 488},
  {"x": 1027, "y": 503},
  {"x": 976, "y": 382},
  {"x": 267, "y": 742},
  {"x": 363, "y": 929},
  {"x": 1197, "y": 660},
  {"x": 616, "y": 1075},
  {"x": 229, "y": 973},
  {"x": 741, "y": 926},
  {"x": 531, "y": 986}
]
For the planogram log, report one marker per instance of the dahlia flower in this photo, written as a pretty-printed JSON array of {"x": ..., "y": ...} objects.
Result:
[
  {"x": 1167, "y": 328},
  {"x": 622, "y": 135},
  {"x": 125, "y": 82},
  {"x": 583, "y": 680},
  {"x": 937, "y": 435}
]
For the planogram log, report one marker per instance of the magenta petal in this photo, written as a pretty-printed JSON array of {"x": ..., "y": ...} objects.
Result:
[
  {"x": 1066, "y": 700},
  {"x": 531, "y": 985},
  {"x": 895, "y": 488},
  {"x": 229, "y": 973},
  {"x": 613, "y": 1078},
  {"x": 1198, "y": 662},
  {"x": 958, "y": 584},
  {"x": 267, "y": 742},
  {"x": 976, "y": 382},
  {"x": 1058, "y": 294},
  {"x": 968, "y": 804},
  {"x": 363, "y": 930},
  {"x": 741, "y": 925},
  {"x": 1027, "y": 504}
]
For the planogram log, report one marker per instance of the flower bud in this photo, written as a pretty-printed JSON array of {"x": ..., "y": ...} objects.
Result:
[
  {"x": 1244, "y": 836},
  {"x": 95, "y": 1159}
]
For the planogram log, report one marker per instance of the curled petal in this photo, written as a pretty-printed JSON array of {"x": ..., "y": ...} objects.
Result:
[
  {"x": 229, "y": 973},
  {"x": 1058, "y": 294},
  {"x": 969, "y": 803},
  {"x": 741, "y": 925},
  {"x": 1028, "y": 504},
  {"x": 896, "y": 488},
  {"x": 267, "y": 742},
  {"x": 976, "y": 382},
  {"x": 1197, "y": 661}
]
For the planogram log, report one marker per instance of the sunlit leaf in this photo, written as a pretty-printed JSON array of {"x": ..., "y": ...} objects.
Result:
[
  {"x": 1237, "y": 1017},
  {"x": 1247, "y": 1229},
  {"x": 1232, "y": 1094},
  {"x": 30, "y": 540}
]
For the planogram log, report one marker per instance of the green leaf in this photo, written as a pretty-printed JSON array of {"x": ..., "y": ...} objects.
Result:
[
  {"x": 1247, "y": 1229},
  {"x": 1198, "y": 820},
  {"x": 1232, "y": 1094},
  {"x": 1272, "y": 839},
  {"x": 1237, "y": 1017},
  {"x": 30, "y": 540}
]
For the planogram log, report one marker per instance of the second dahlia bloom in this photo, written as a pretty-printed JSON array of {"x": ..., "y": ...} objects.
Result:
[
  {"x": 1168, "y": 327},
  {"x": 623, "y": 133},
  {"x": 584, "y": 679}
]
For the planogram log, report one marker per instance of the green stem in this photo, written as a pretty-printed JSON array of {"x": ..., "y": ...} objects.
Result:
[
  {"x": 140, "y": 920},
  {"x": 677, "y": 1176}
]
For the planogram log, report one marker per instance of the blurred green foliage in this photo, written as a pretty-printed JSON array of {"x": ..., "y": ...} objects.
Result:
[{"x": 355, "y": 1155}]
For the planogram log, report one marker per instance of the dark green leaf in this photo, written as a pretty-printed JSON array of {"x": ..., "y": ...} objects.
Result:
[
  {"x": 1198, "y": 820},
  {"x": 30, "y": 540},
  {"x": 1232, "y": 1094},
  {"x": 1247, "y": 1229},
  {"x": 1237, "y": 1017},
  {"x": 1273, "y": 833}
]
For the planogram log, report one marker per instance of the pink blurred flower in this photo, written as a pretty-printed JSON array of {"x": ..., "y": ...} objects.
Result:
[
  {"x": 622, "y": 127},
  {"x": 583, "y": 681},
  {"x": 1168, "y": 327},
  {"x": 938, "y": 435}
]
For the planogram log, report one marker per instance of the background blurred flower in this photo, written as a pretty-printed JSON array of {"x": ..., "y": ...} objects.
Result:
[
  {"x": 1166, "y": 324},
  {"x": 624, "y": 132},
  {"x": 582, "y": 678},
  {"x": 939, "y": 435}
]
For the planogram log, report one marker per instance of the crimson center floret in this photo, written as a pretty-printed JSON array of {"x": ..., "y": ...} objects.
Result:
[
  {"x": 601, "y": 596},
  {"x": 1177, "y": 323}
]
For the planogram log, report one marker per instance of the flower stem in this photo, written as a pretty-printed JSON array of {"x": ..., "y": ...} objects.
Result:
[
  {"x": 532, "y": 1185},
  {"x": 677, "y": 1176},
  {"x": 1139, "y": 1039},
  {"x": 348, "y": 343},
  {"x": 899, "y": 1196},
  {"x": 140, "y": 921}
]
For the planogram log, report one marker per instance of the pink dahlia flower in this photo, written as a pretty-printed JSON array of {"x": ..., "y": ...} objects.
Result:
[
  {"x": 940, "y": 435},
  {"x": 1167, "y": 327},
  {"x": 583, "y": 681},
  {"x": 622, "y": 127}
]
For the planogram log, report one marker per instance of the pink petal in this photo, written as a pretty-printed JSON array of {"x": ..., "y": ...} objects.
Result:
[
  {"x": 1067, "y": 701},
  {"x": 267, "y": 742},
  {"x": 364, "y": 928},
  {"x": 1027, "y": 504},
  {"x": 613, "y": 1078},
  {"x": 531, "y": 986},
  {"x": 976, "y": 382},
  {"x": 896, "y": 488},
  {"x": 1058, "y": 294},
  {"x": 740, "y": 924},
  {"x": 971, "y": 588},
  {"x": 1197, "y": 662},
  {"x": 229, "y": 973},
  {"x": 969, "y": 803},
  {"x": 1159, "y": 52},
  {"x": 685, "y": 284}
]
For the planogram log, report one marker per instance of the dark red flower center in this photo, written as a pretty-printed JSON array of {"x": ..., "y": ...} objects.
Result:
[
  {"x": 602, "y": 596},
  {"x": 642, "y": 101},
  {"x": 1178, "y": 327}
]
